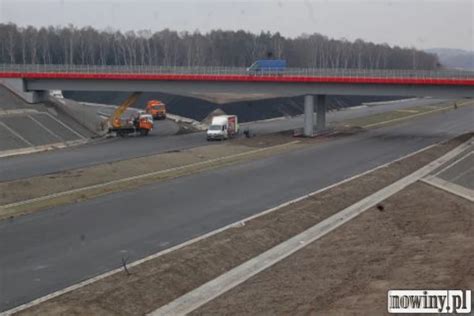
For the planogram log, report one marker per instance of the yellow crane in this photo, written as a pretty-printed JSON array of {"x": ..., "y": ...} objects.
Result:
[{"x": 142, "y": 124}]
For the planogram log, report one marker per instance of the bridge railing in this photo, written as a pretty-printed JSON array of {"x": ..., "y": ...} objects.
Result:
[{"x": 218, "y": 71}]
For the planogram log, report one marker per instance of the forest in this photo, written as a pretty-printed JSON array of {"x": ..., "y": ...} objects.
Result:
[{"x": 89, "y": 46}]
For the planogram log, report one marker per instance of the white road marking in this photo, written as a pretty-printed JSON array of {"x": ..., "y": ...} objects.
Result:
[
  {"x": 16, "y": 112},
  {"x": 230, "y": 279},
  {"x": 16, "y": 134},
  {"x": 36, "y": 149},
  {"x": 141, "y": 176},
  {"x": 450, "y": 187},
  {"x": 462, "y": 174},
  {"x": 456, "y": 161},
  {"x": 407, "y": 111},
  {"x": 40, "y": 267},
  {"x": 199, "y": 238},
  {"x": 45, "y": 128},
  {"x": 64, "y": 125},
  {"x": 415, "y": 115},
  {"x": 405, "y": 117}
]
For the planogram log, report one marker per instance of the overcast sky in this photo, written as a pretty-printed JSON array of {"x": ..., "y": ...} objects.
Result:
[{"x": 412, "y": 23}]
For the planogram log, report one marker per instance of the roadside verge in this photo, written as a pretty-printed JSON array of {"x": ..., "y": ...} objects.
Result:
[{"x": 420, "y": 238}]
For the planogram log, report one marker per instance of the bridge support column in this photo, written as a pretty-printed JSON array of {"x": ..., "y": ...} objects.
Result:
[
  {"x": 321, "y": 113},
  {"x": 308, "y": 115}
]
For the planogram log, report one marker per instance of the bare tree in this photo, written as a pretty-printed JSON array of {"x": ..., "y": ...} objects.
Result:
[{"x": 69, "y": 45}]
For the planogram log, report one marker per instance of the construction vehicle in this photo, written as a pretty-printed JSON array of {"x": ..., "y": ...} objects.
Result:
[
  {"x": 140, "y": 123},
  {"x": 223, "y": 127},
  {"x": 157, "y": 109}
]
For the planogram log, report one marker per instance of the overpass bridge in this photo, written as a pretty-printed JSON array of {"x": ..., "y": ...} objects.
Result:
[{"x": 228, "y": 84}]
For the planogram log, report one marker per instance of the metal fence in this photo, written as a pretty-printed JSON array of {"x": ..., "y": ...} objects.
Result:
[{"x": 294, "y": 72}]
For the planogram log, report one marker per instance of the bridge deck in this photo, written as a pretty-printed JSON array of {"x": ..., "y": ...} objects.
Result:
[
  {"x": 242, "y": 78},
  {"x": 239, "y": 74}
]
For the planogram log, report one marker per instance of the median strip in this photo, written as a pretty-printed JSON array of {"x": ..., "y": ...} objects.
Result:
[
  {"x": 134, "y": 181},
  {"x": 407, "y": 117},
  {"x": 386, "y": 118}
]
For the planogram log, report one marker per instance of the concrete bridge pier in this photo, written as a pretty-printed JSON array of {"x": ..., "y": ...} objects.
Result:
[
  {"x": 308, "y": 115},
  {"x": 321, "y": 113}
]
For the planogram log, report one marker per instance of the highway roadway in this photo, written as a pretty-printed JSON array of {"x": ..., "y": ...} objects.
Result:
[
  {"x": 271, "y": 126},
  {"x": 160, "y": 141},
  {"x": 52, "y": 249}
]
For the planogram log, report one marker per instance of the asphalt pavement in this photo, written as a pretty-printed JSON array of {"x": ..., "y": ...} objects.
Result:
[
  {"x": 161, "y": 141},
  {"x": 461, "y": 172},
  {"x": 58, "y": 247},
  {"x": 272, "y": 126}
]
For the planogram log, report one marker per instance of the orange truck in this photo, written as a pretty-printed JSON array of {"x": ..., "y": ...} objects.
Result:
[
  {"x": 140, "y": 122},
  {"x": 157, "y": 109}
]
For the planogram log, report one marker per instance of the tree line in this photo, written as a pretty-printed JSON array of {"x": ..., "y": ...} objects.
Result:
[{"x": 89, "y": 46}]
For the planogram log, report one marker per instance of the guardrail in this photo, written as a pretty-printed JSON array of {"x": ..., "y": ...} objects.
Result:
[{"x": 216, "y": 71}]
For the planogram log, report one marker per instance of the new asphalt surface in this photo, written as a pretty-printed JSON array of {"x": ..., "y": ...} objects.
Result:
[
  {"x": 58, "y": 247},
  {"x": 160, "y": 141}
]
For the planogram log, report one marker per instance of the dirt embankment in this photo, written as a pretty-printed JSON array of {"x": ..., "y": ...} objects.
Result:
[
  {"x": 164, "y": 278},
  {"x": 423, "y": 238}
]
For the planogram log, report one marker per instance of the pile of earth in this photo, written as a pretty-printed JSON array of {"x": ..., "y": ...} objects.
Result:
[{"x": 208, "y": 119}]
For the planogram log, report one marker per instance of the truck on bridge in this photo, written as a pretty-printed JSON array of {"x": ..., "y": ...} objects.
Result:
[{"x": 267, "y": 66}]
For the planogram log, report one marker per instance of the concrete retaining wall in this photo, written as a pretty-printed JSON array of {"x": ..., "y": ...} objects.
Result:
[
  {"x": 84, "y": 115},
  {"x": 17, "y": 86}
]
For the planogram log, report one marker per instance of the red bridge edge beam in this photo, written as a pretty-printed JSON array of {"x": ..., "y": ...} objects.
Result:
[{"x": 239, "y": 78}]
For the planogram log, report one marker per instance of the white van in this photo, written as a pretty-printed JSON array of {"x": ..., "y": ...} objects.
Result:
[{"x": 223, "y": 127}]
